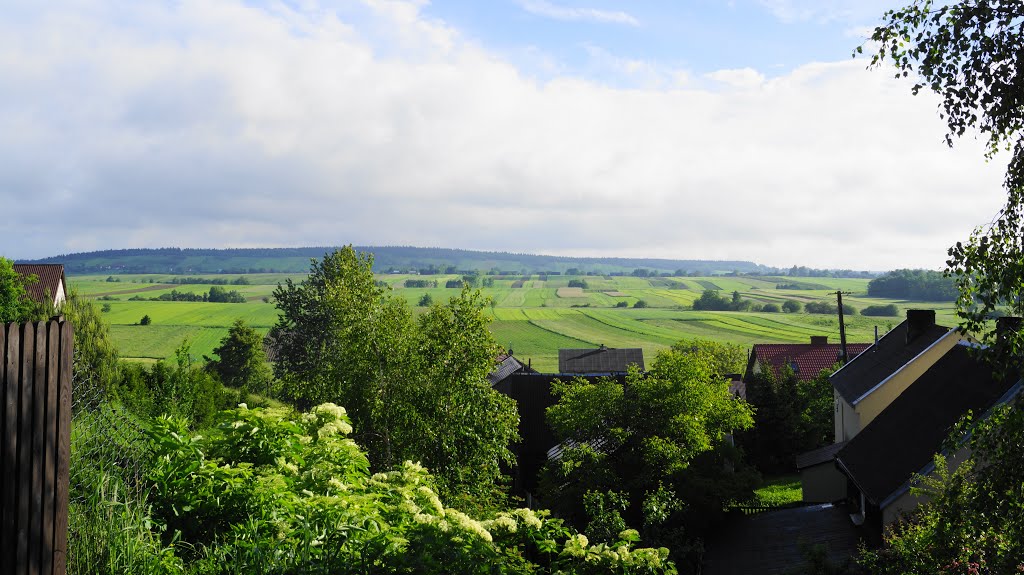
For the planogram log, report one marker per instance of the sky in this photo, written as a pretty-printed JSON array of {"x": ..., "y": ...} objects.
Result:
[{"x": 689, "y": 129}]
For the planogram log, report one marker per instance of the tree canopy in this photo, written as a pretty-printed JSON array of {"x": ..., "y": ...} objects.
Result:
[
  {"x": 632, "y": 451},
  {"x": 241, "y": 361},
  {"x": 415, "y": 388},
  {"x": 921, "y": 285}
]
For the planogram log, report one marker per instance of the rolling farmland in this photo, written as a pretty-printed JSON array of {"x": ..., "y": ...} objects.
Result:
[{"x": 534, "y": 315}]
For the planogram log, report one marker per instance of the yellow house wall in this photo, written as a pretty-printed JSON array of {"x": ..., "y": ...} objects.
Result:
[
  {"x": 847, "y": 420},
  {"x": 908, "y": 501},
  {"x": 870, "y": 406}
]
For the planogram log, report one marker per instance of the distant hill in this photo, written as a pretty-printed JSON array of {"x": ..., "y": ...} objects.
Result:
[{"x": 423, "y": 260}]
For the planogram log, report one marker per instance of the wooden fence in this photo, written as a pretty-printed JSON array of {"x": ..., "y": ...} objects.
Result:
[{"x": 35, "y": 433}]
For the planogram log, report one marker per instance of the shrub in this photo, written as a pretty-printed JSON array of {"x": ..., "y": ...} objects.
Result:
[
  {"x": 770, "y": 308},
  {"x": 881, "y": 310},
  {"x": 790, "y": 306},
  {"x": 145, "y": 320},
  {"x": 273, "y": 491},
  {"x": 640, "y": 304}
]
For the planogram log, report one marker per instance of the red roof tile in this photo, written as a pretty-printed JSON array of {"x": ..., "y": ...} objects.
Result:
[{"x": 806, "y": 359}]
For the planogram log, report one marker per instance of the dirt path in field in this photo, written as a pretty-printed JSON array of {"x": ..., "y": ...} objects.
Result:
[{"x": 135, "y": 290}]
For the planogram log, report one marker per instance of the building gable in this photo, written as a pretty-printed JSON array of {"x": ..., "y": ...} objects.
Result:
[{"x": 51, "y": 287}]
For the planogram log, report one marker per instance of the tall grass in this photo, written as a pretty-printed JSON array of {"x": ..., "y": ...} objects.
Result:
[{"x": 110, "y": 532}]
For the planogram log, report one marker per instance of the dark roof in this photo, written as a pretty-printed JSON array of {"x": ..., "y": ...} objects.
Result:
[
  {"x": 775, "y": 542},
  {"x": 599, "y": 360},
  {"x": 51, "y": 276},
  {"x": 902, "y": 439},
  {"x": 507, "y": 365},
  {"x": 819, "y": 456},
  {"x": 806, "y": 359},
  {"x": 874, "y": 365}
]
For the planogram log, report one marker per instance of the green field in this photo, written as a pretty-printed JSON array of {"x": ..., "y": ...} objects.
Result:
[{"x": 535, "y": 320}]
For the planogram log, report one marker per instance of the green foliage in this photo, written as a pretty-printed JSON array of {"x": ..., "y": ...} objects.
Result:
[
  {"x": 771, "y": 308},
  {"x": 654, "y": 441},
  {"x": 974, "y": 521},
  {"x": 578, "y": 283},
  {"x": 241, "y": 362},
  {"x": 790, "y": 417},
  {"x": 183, "y": 390},
  {"x": 416, "y": 389},
  {"x": 827, "y": 307},
  {"x": 921, "y": 285},
  {"x": 146, "y": 320},
  {"x": 791, "y": 306},
  {"x": 426, "y": 300},
  {"x": 881, "y": 310},
  {"x": 95, "y": 353},
  {"x": 724, "y": 358},
  {"x": 15, "y": 303},
  {"x": 272, "y": 491},
  {"x": 711, "y": 300},
  {"x": 967, "y": 52},
  {"x": 622, "y": 304},
  {"x": 110, "y": 529},
  {"x": 640, "y": 304}
]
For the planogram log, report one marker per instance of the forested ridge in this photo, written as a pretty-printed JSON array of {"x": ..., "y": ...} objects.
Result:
[{"x": 406, "y": 258}]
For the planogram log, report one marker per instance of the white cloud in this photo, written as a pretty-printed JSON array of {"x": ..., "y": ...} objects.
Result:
[
  {"x": 557, "y": 12},
  {"x": 221, "y": 124},
  {"x": 742, "y": 78},
  {"x": 825, "y": 11}
]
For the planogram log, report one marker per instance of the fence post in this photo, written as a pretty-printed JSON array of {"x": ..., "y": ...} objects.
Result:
[{"x": 36, "y": 361}]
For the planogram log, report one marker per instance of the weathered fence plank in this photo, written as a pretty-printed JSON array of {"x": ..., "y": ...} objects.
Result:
[{"x": 35, "y": 433}]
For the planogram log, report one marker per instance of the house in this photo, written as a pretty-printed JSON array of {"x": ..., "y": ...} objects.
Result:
[
  {"x": 881, "y": 460},
  {"x": 506, "y": 366},
  {"x": 603, "y": 360},
  {"x": 805, "y": 359},
  {"x": 871, "y": 381},
  {"x": 51, "y": 287},
  {"x": 865, "y": 386}
]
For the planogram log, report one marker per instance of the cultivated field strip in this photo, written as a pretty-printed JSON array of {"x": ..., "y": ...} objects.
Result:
[{"x": 536, "y": 319}]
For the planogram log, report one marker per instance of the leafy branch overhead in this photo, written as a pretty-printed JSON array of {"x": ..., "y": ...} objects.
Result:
[{"x": 969, "y": 53}]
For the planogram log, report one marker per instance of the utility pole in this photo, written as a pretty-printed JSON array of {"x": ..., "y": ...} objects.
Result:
[{"x": 842, "y": 328}]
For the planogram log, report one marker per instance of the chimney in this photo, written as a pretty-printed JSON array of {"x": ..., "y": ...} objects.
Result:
[
  {"x": 819, "y": 340},
  {"x": 918, "y": 322}
]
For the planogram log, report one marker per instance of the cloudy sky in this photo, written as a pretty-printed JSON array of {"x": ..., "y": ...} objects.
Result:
[{"x": 697, "y": 129}]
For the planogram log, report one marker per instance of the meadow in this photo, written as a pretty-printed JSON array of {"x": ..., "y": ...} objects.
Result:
[{"x": 532, "y": 315}]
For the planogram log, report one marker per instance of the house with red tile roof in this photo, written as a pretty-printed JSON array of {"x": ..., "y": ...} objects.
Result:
[
  {"x": 51, "y": 286},
  {"x": 805, "y": 359},
  {"x": 867, "y": 385}
]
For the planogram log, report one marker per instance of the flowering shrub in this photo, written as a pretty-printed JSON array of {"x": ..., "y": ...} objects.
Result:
[{"x": 273, "y": 491}]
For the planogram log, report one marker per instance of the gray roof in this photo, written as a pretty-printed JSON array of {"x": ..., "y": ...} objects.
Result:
[
  {"x": 819, "y": 456},
  {"x": 774, "y": 542},
  {"x": 599, "y": 360},
  {"x": 878, "y": 362},
  {"x": 505, "y": 368},
  {"x": 902, "y": 440}
]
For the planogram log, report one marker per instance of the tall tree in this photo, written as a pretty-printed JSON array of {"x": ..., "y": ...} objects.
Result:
[
  {"x": 635, "y": 445},
  {"x": 415, "y": 389},
  {"x": 968, "y": 52},
  {"x": 241, "y": 361}
]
